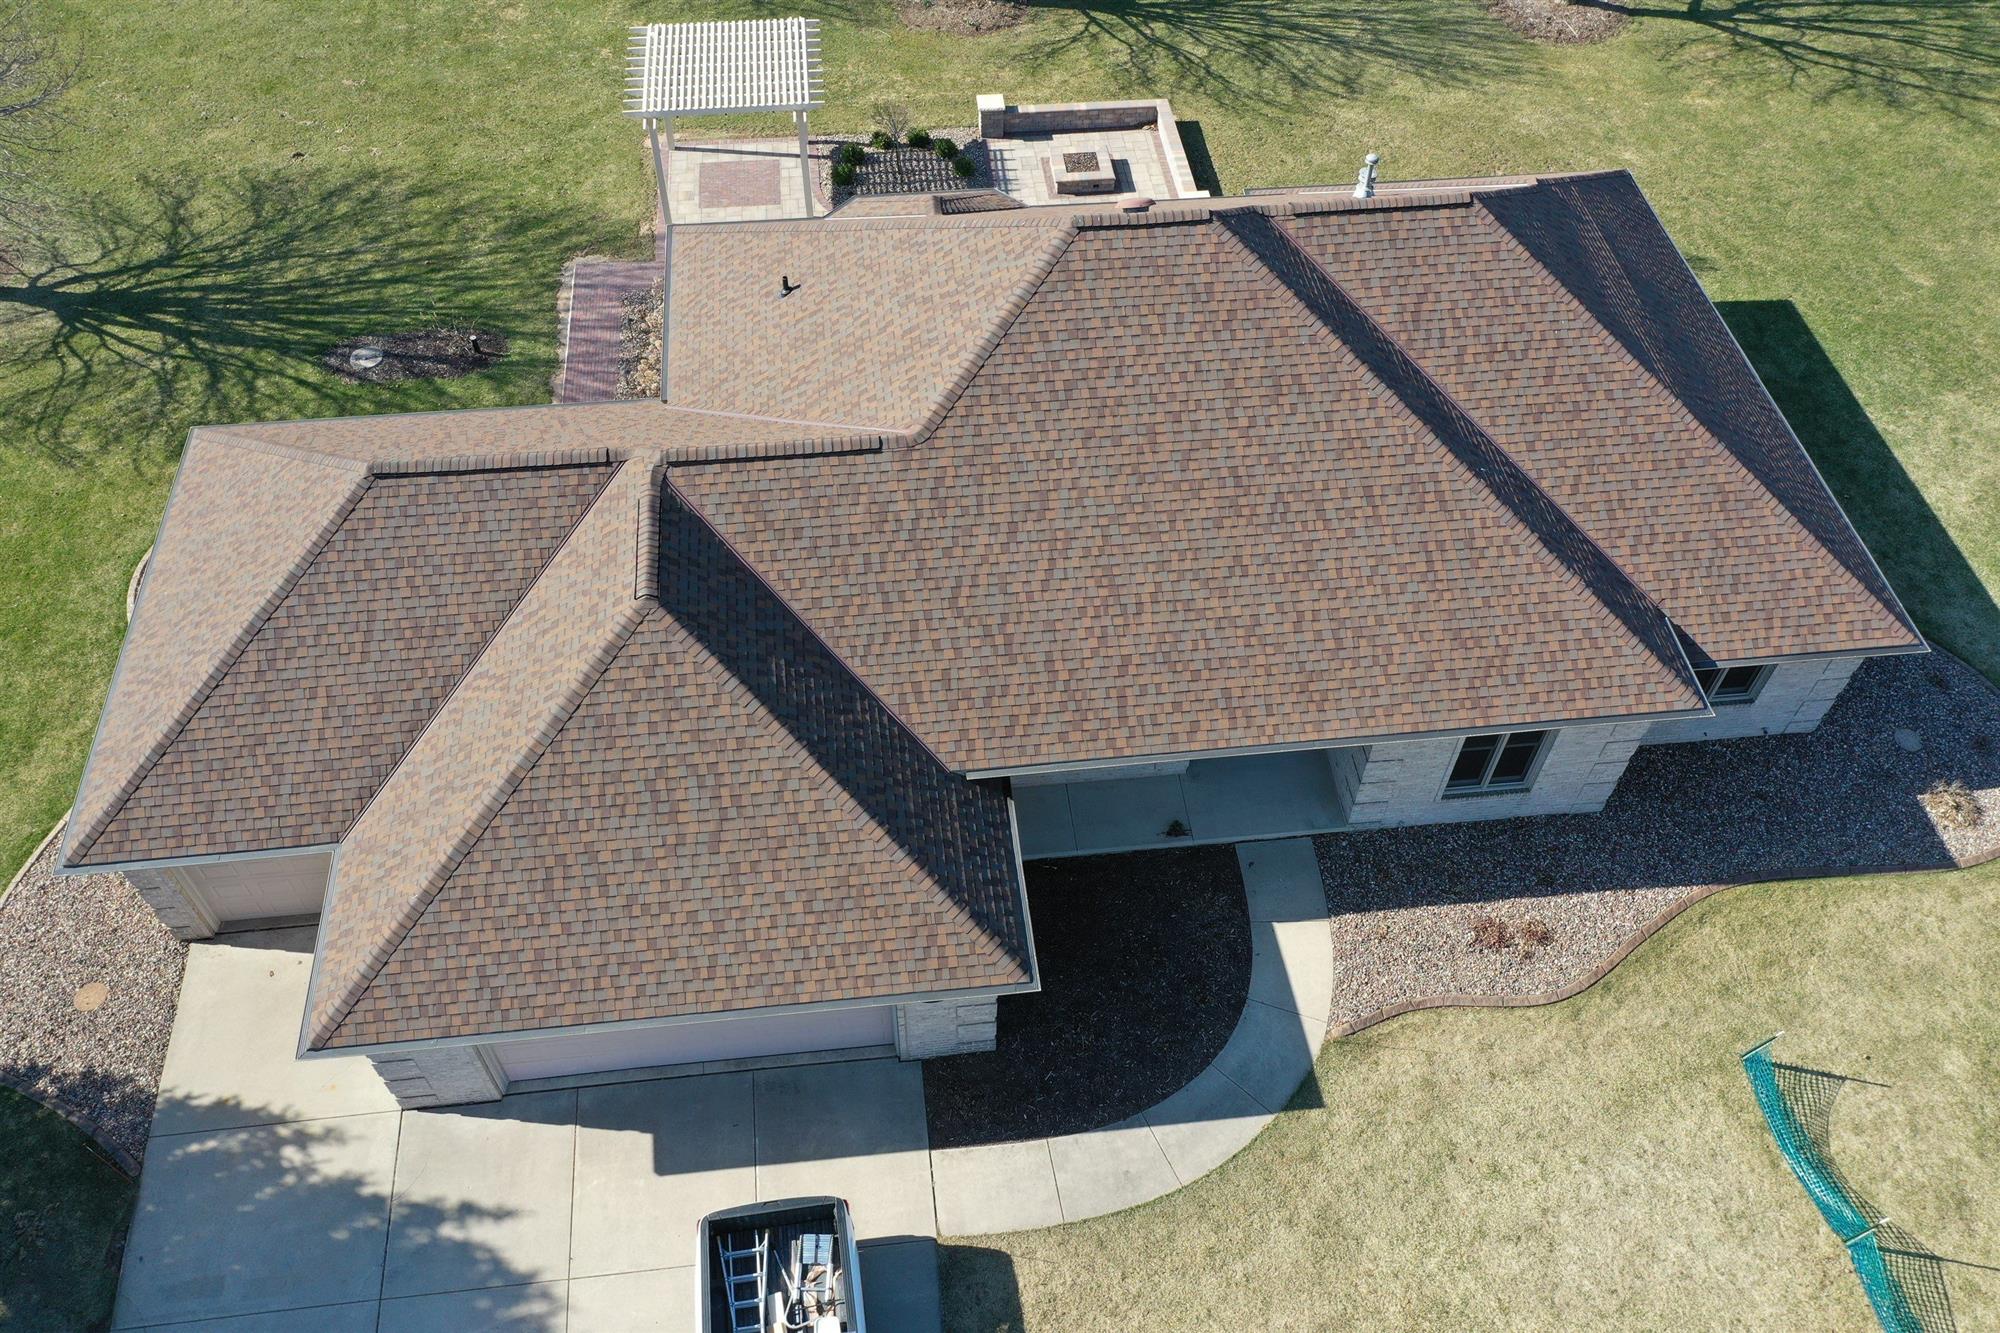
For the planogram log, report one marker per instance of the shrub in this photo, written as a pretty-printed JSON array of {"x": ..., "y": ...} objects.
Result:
[
  {"x": 1491, "y": 933},
  {"x": 962, "y": 166},
  {"x": 919, "y": 139},
  {"x": 853, "y": 154},
  {"x": 1534, "y": 933},
  {"x": 881, "y": 139},
  {"x": 1953, "y": 805},
  {"x": 844, "y": 173},
  {"x": 894, "y": 119},
  {"x": 944, "y": 148}
]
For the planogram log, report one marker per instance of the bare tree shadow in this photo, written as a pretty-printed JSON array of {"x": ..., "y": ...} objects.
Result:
[
  {"x": 211, "y": 301},
  {"x": 1810, "y": 1095},
  {"x": 1251, "y": 56},
  {"x": 1935, "y": 54},
  {"x": 299, "y": 1215}
]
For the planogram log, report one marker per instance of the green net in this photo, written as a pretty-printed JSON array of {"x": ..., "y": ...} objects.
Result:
[{"x": 1823, "y": 1187}]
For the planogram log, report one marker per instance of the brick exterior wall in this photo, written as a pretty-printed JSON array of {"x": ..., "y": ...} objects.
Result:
[
  {"x": 1402, "y": 783},
  {"x": 179, "y": 912},
  {"x": 444, "y": 1076},
  {"x": 945, "y": 1027},
  {"x": 1794, "y": 698}
]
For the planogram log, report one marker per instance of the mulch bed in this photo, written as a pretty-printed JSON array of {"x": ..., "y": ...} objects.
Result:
[
  {"x": 966, "y": 18},
  {"x": 88, "y": 983},
  {"x": 1560, "y": 22},
  {"x": 1145, "y": 962},
  {"x": 424, "y": 354},
  {"x": 916, "y": 171},
  {"x": 639, "y": 345},
  {"x": 1458, "y": 910}
]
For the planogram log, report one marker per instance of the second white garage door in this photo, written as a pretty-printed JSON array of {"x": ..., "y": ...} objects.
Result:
[{"x": 685, "y": 1043}]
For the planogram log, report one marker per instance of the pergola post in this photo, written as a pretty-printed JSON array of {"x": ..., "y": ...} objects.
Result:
[
  {"x": 712, "y": 69},
  {"x": 666, "y": 247},
  {"x": 805, "y": 160}
]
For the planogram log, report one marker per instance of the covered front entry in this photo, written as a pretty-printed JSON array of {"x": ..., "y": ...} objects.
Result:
[
  {"x": 1176, "y": 805},
  {"x": 695, "y": 1043}
]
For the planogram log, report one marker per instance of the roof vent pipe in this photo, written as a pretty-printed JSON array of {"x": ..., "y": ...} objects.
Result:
[{"x": 1364, "y": 183}]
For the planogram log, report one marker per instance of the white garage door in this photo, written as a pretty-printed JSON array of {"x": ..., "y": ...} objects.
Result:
[
  {"x": 261, "y": 887},
  {"x": 683, "y": 1043}
]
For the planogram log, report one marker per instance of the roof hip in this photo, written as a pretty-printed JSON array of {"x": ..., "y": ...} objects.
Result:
[{"x": 1411, "y": 387}]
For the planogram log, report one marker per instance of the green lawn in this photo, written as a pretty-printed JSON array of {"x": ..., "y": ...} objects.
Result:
[
  {"x": 248, "y": 183},
  {"x": 63, "y": 1208},
  {"x": 1594, "y": 1164}
]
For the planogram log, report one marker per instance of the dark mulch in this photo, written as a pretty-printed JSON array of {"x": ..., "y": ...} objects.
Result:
[
  {"x": 1145, "y": 961},
  {"x": 909, "y": 171},
  {"x": 967, "y": 18},
  {"x": 1561, "y": 22},
  {"x": 424, "y": 354}
]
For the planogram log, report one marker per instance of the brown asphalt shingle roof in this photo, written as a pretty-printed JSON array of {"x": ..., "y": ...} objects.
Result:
[
  {"x": 672, "y": 702},
  {"x": 1565, "y": 321},
  {"x": 341, "y": 676},
  {"x": 1191, "y": 502},
  {"x": 727, "y": 820}
]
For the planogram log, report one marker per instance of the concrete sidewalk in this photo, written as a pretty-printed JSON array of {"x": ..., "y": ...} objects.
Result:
[
  {"x": 1042, "y": 1182},
  {"x": 284, "y": 1194}
]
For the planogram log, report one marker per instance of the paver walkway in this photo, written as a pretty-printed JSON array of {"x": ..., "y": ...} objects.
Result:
[
  {"x": 1041, "y": 1182},
  {"x": 285, "y": 1194}
]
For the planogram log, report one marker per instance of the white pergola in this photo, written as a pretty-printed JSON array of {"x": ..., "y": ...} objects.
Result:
[{"x": 716, "y": 69}]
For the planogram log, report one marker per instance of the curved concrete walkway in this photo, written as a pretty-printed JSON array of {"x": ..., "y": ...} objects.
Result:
[{"x": 1043, "y": 1182}]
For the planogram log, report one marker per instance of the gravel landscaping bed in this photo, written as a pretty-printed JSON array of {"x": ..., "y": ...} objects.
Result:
[
  {"x": 88, "y": 982},
  {"x": 1522, "y": 909},
  {"x": 1145, "y": 961}
]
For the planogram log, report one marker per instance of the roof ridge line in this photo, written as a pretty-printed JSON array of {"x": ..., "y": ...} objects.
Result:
[
  {"x": 87, "y": 835},
  {"x": 499, "y": 626},
  {"x": 235, "y": 438},
  {"x": 624, "y": 623},
  {"x": 1499, "y": 459},
  {"x": 1658, "y": 388},
  {"x": 850, "y": 427},
  {"x": 997, "y": 325}
]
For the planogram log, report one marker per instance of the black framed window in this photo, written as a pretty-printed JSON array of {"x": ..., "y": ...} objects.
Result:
[
  {"x": 1731, "y": 685},
  {"x": 1499, "y": 761}
]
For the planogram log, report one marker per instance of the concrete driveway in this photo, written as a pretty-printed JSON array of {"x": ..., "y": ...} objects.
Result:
[{"x": 281, "y": 1194}]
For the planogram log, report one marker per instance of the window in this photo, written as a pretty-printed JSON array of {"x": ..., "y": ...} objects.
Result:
[
  {"x": 1503, "y": 761},
  {"x": 1731, "y": 685}
]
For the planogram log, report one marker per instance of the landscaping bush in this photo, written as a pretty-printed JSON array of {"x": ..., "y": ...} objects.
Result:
[
  {"x": 851, "y": 154},
  {"x": 1534, "y": 933},
  {"x": 919, "y": 139},
  {"x": 1491, "y": 933},
  {"x": 844, "y": 173},
  {"x": 944, "y": 148},
  {"x": 881, "y": 139},
  {"x": 1953, "y": 805},
  {"x": 962, "y": 165}
]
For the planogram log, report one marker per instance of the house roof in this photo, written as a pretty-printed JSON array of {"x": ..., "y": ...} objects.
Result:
[
  {"x": 629, "y": 711},
  {"x": 1190, "y": 500},
  {"x": 713, "y": 815}
]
